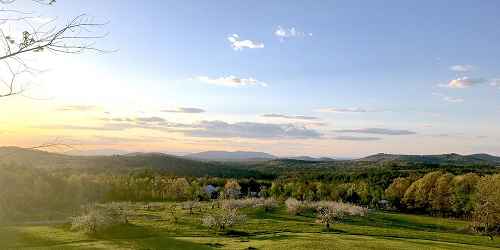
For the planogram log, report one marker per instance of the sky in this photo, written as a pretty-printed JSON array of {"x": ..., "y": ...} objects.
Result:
[{"x": 319, "y": 78}]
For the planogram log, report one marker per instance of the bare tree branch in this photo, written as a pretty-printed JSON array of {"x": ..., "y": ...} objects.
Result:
[{"x": 77, "y": 36}]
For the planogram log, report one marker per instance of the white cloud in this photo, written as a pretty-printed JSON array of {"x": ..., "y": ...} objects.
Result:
[
  {"x": 449, "y": 98},
  {"x": 463, "y": 82},
  {"x": 238, "y": 44},
  {"x": 221, "y": 129},
  {"x": 346, "y": 110},
  {"x": 231, "y": 81},
  {"x": 284, "y": 33},
  {"x": 495, "y": 82},
  {"x": 462, "y": 68}
]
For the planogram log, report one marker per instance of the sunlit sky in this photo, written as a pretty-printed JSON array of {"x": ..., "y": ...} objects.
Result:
[{"x": 319, "y": 78}]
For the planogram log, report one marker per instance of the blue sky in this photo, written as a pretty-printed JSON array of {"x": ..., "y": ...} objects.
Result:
[{"x": 354, "y": 65}]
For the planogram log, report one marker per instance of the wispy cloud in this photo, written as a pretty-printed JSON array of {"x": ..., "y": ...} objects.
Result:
[
  {"x": 77, "y": 108},
  {"x": 449, "y": 98},
  {"x": 495, "y": 82},
  {"x": 238, "y": 44},
  {"x": 463, "y": 82},
  {"x": 184, "y": 110},
  {"x": 209, "y": 129},
  {"x": 356, "y": 138},
  {"x": 284, "y": 33},
  {"x": 462, "y": 68},
  {"x": 346, "y": 110},
  {"x": 377, "y": 131},
  {"x": 231, "y": 81},
  {"x": 293, "y": 117},
  {"x": 221, "y": 129}
]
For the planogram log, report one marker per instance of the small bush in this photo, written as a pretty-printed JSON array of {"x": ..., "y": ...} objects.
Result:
[{"x": 97, "y": 219}]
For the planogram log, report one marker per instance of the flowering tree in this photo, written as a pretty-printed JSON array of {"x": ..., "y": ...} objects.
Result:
[{"x": 223, "y": 219}]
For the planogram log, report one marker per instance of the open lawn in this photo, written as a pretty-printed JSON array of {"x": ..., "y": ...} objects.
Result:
[{"x": 154, "y": 229}]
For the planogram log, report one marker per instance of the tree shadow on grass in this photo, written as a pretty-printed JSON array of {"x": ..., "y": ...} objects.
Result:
[
  {"x": 143, "y": 237},
  {"x": 128, "y": 231},
  {"x": 387, "y": 220}
]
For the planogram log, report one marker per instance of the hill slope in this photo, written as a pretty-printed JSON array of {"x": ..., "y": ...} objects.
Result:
[
  {"x": 134, "y": 161},
  {"x": 443, "y": 159},
  {"x": 230, "y": 156}
]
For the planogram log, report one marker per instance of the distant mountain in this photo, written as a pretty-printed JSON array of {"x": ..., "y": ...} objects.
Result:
[
  {"x": 443, "y": 159},
  {"x": 309, "y": 158},
  {"x": 230, "y": 156},
  {"x": 96, "y": 152}
]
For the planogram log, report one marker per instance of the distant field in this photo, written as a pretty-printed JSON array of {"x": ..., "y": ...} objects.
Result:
[{"x": 154, "y": 229}]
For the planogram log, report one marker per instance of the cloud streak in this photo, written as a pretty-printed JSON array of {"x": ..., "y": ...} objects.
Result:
[
  {"x": 449, "y": 98},
  {"x": 184, "y": 110},
  {"x": 356, "y": 138},
  {"x": 77, "y": 108},
  {"x": 463, "y": 82},
  {"x": 377, "y": 131},
  {"x": 292, "y": 117},
  {"x": 462, "y": 68},
  {"x": 208, "y": 129},
  {"x": 231, "y": 81},
  {"x": 495, "y": 82},
  {"x": 238, "y": 44},
  {"x": 345, "y": 110}
]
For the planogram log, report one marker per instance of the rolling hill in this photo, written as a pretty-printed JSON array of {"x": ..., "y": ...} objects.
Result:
[
  {"x": 121, "y": 163},
  {"x": 230, "y": 156},
  {"x": 442, "y": 159}
]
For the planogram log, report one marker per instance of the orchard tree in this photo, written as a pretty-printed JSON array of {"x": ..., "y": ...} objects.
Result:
[
  {"x": 329, "y": 215},
  {"x": 396, "y": 191},
  {"x": 232, "y": 189},
  {"x": 417, "y": 195},
  {"x": 462, "y": 190},
  {"x": 440, "y": 194},
  {"x": 487, "y": 209}
]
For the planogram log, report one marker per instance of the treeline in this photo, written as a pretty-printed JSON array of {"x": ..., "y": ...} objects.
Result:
[
  {"x": 442, "y": 193},
  {"x": 36, "y": 193},
  {"x": 29, "y": 192}
]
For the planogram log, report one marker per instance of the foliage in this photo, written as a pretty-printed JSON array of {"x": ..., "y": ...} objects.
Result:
[
  {"x": 232, "y": 189},
  {"x": 487, "y": 209}
]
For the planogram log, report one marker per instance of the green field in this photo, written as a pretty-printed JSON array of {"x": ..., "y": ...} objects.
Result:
[{"x": 154, "y": 229}]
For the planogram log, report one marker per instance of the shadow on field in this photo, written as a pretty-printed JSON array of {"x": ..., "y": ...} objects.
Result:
[
  {"x": 398, "y": 221},
  {"x": 142, "y": 237}
]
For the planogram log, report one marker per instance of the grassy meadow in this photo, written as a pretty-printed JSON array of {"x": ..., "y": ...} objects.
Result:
[{"x": 153, "y": 227}]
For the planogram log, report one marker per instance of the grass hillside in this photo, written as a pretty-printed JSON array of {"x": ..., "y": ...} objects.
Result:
[{"x": 153, "y": 228}]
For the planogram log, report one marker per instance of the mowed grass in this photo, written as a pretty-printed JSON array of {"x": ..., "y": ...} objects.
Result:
[{"x": 155, "y": 229}]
